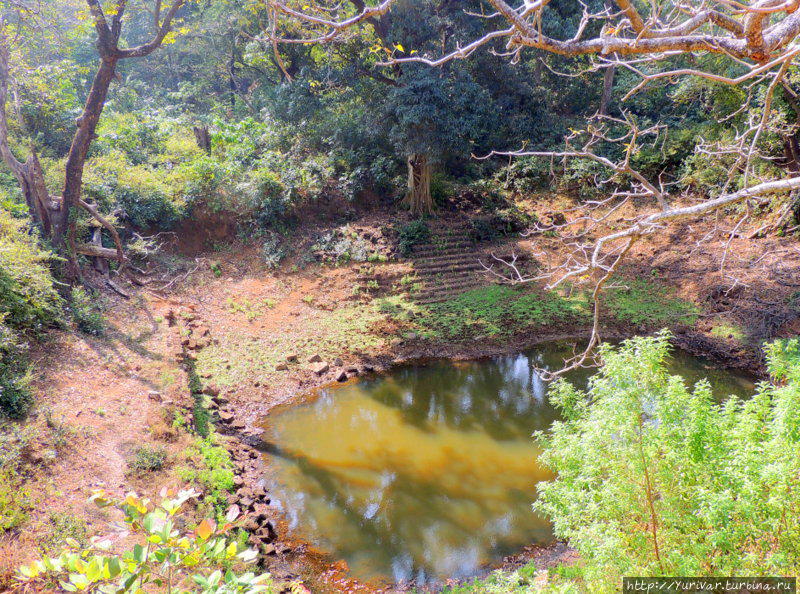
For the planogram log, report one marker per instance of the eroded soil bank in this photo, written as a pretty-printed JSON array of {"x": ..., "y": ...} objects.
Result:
[{"x": 234, "y": 338}]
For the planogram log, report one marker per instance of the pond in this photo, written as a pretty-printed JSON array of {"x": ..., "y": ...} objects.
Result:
[{"x": 428, "y": 472}]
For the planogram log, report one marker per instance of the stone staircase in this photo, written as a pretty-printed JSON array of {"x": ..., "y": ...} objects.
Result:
[{"x": 447, "y": 265}]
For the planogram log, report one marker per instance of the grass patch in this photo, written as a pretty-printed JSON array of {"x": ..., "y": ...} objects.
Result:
[
  {"x": 212, "y": 471},
  {"x": 525, "y": 580},
  {"x": 327, "y": 333},
  {"x": 148, "y": 458},
  {"x": 498, "y": 310},
  {"x": 648, "y": 302},
  {"x": 63, "y": 525},
  {"x": 14, "y": 501},
  {"x": 728, "y": 330}
]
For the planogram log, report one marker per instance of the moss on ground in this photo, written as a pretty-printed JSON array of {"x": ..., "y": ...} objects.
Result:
[
  {"x": 498, "y": 310},
  {"x": 329, "y": 334},
  {"x": 649, "y": 302}
]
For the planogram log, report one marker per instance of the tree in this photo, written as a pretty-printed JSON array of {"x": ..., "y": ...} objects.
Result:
[
  {"x": 734, "y": 45},
  {"x": 53, "y": 214}
]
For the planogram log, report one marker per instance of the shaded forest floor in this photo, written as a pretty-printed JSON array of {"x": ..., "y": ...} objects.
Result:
[{"x": 259, "y": 337}]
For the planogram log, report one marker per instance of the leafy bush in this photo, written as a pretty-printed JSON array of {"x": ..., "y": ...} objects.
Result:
[
  {"x": 28, "y": 299},
  {"x": 166, "y": 559},
  {"x": 267, "y": 198},
  {"x": 273, "y": 251},
  {"x": 342, "y": 245},
  {"x": 412, "y": 234},
  {"x": 656, "y": 478},
  {"x": 29, "y": 304},
  {"x": 148, "y": 458},
  {"x": 143, "y": 195},
  {"x": 86, "y": 313}
]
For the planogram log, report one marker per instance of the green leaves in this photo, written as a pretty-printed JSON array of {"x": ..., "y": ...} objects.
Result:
[
  {"x": 657, "y": 478},
  {"x": 164, "y": 557}
]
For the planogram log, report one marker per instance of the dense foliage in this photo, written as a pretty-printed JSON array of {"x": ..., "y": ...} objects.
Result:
[
  {"x": 659, "y": 478},
  {"x": 29, "y": 304}
]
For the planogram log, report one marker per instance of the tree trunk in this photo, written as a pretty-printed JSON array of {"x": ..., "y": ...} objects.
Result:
[
  {"x": 203, "y": 138},
  {"x": 418, "y": 197},
  {"x": 608, "y": 87},
  {"x": 76, "y": 159}
]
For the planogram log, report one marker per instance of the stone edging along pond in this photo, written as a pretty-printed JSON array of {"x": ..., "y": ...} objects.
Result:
[{"x": 262, "y": 520}]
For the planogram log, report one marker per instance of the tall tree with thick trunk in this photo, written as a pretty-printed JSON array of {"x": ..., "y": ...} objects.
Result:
[{"x": 53, "y": 213}]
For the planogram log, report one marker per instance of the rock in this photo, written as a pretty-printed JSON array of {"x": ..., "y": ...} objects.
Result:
[
  {"x": 268, "y": 549},
  {"x": 320, "y": 368},
  {"x": 315, "y": 359},
  {"x": 352, "y": 370},
  {"x": 202, "y": 331},
  {"x": 155, "y": 396},
  {"x": 237, "y": 481},
  {"x": 237, "y": 424},
  {"x": 225, "y": 416},
  {"x": 281, "y": 367},
  {"x": 341, "y": 376},
  {"x": 211, "y": 390},
  {"x": 292, "y": 358},
  {"x": 246, "y": 502},
  {"x": 233, "y": 511},
  {"x": 368, "y": 368},
  {"x": 261, "y": 511},
  {"x": 220, "y": 400},
  {"x": 337, "y": 362},
  {"x": 244, "y": 492},
  {"x": 250, "y": 524}
]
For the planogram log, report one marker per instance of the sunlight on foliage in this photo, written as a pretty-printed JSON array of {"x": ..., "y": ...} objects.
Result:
[
  {"x": 206, "y": 560},
  {"x": 657, "y": 478}
]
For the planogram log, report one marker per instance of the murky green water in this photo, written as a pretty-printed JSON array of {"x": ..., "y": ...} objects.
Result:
[{"x": 429, "y": 472}]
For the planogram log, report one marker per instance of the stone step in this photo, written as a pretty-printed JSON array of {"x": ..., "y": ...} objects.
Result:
[
  {"x": 448, "y": 268},
  {"x": 433, "y": 252},
  {"x": 436, "y": 259},
  {"x": 447, "y": 292}
]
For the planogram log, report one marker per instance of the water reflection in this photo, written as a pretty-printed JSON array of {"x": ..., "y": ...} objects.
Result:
[{"x": 428, "y": 472}]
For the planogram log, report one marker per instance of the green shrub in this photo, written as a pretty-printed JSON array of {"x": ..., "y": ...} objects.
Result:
[
  {"x": 29, "y": 304},
  {"x": 273, "y": 251},
  {"x": 657, "y": 478},
  {"x": 266, "y": 196},
  {"x": 412, "y": 234},
  {"x": 148, "y": 458},
  {"x": 14, "y": 500},
  {"x": 144, "y": 195},
  {"x": 86, "y": 313},
  {"x": 166, "y": 558},
  {"x": 62, "y": 527},
  {"x": 28, "y": 300}
]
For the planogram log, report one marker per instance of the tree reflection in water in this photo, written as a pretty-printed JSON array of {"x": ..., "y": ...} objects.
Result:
[{"x": 427, "y": 472}]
